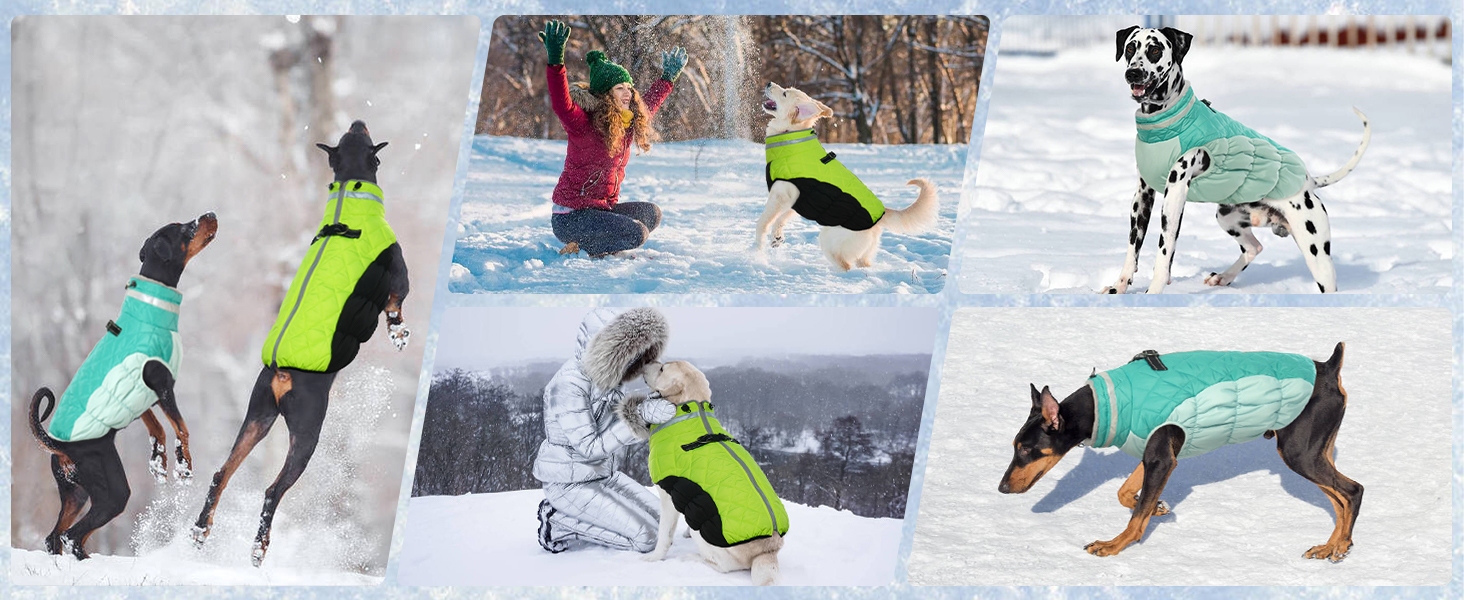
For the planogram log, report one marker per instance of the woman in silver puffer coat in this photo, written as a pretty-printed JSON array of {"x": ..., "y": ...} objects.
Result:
[{"x": 585, "y": 497}]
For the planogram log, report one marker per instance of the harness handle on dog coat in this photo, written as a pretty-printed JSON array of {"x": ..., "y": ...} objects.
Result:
[
  {"x": 710, "y": 438},
  {"x": 340, "y": 229},
  {"x": 113, "y": 328},
  {"x": 828, "y": 158},
  {"x": 1152, "y": 357}
]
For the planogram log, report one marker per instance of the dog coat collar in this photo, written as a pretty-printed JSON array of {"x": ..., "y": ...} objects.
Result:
[
  {"x": 1105, "y": 411},
  {"x": 156, "y": 295},
  {"x": 687, "y": 411},
  {"x": 789, "y": 138},
  {"x": 1169, "y": 122},
  {"x": 359, "y": 189}
]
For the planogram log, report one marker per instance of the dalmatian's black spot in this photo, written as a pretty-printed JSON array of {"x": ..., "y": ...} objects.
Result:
[
  {"x": 1308, "y": 202},
  {"x": 1133, "y": 236},
  {"x": 1312, "y": 229},
  {"x": 1324, "y": 207},
  {"x": 1233, "y": 232},
  {"x": 1112, "y": 291},
  {"x": 1226, "y": 209},
  {"x": 1320, "y": 288},
  {"x": 1205, "y": 162},
  {"x": 1136, "y": 207},
  {"x": 1314, "y": 249},
  {"x": 1173, "y": 175},
  {"x": 1327, "y": 247}
]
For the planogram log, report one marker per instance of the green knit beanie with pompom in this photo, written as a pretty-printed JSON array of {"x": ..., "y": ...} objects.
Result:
[{"x": 605, "y": 74}]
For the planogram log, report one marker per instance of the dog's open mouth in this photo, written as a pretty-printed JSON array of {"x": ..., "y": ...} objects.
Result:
[
  {"x": 770, "y": 106},
  {"x": 1139, "y": 89}
]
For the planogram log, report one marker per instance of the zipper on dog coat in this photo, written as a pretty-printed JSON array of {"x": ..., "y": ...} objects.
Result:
[
  {"x": 1245, "y": 166},
  {"x": 108, "y": 391},
  {"x": 341, "y": 286},
  {"x": 712, "y": 480},
  {"x": 1218, "y": 398},
  {"x": 828, "y": 192}
]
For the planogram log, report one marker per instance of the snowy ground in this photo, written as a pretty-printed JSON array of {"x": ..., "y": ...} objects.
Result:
[
  {"x": 1240, "y": 516},
  {"x": 488, "y": 539},
  {"x": 171, "y": 567},
  {"x": 1056, "y": 174},
  {"x": 711, "y": 193}
]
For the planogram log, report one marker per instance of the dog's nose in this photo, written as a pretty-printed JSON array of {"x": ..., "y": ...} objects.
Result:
[
  {"x": 1005, "y": 488},
  {"x": 1134, "y": 75},
  {"x": 769, "y": 86},
  {"x": 360, "y": 127}
]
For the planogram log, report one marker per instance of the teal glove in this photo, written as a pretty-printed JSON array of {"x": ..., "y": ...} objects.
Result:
[
  {"x": 555, "y": 34},
  {"x": 671, "y": 63}
]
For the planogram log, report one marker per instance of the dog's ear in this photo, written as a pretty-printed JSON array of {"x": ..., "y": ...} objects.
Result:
[
  {"x": 160, "y": 246},
  {"x": 1123, "y": 35},
  {"x": 673, "y": 389},
  {"x": 811, "y": 109},
  {"x": 1179, "y": 41},
  {"x": 331, "y": 150},
  {"x": 1050, "y": 417},
  {"x": 377, "y": 148}
]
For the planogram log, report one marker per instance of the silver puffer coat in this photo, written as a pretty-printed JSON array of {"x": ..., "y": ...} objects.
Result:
[{"x": 582, "y": 435}]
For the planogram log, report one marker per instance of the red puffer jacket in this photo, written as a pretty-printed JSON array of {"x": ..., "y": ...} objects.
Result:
[{"x": 592, "y": 176}]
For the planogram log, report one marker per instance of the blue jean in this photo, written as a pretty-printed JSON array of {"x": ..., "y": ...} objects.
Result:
[{"x": 604, "y": 231}]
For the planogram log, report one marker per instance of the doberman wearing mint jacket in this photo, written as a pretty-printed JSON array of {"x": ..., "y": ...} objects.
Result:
[
  {"x": 132, "y": 368},
  {"x": 352, "y": 272},
  {"x": 603, "y": 118},
  {"x": 1161, "y": 408}
]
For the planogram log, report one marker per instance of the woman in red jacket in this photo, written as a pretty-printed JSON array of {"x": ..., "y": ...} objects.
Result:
[{"x": 603, "y": 119}]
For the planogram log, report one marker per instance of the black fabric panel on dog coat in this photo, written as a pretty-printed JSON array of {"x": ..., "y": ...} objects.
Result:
[
  {"x": 825, "y": 204},
  {"x": 697, "y": 506},
  {"x": 360, "y": 312}
]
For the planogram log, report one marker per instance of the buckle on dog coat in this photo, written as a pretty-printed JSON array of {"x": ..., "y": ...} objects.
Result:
[
  {"x": 1152, "y": 357},
  {"x": 340, "y": 229},
  {"x": 710, "y": 438}
]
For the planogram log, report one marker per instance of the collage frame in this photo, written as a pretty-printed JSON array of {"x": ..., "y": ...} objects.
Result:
[{"x": 950, "y": 299}]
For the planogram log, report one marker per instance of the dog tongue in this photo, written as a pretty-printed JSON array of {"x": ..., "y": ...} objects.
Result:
[
  {"x": 1138, "y": 90},
  {"x": 770, "y": 105}
]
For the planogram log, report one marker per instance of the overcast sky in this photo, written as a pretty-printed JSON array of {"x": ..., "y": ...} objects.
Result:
[{"x": 481, "y": 338}]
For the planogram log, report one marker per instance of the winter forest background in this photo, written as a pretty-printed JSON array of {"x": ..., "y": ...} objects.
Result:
[
  {"x": 895, "y": 79},
  {"x": 830, "y": 429},
  {"x": 122, "y": 125}
]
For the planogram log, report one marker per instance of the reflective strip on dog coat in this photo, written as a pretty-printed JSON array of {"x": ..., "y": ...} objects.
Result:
[
  {"x": 340, "y": 288},
  {"x": 1218, "y": 398},
  {"x": 712, "y": 480},
  {"x": 827, "y": 191},
  {"x": 1245, "y": 166},
  {"x": 108, "y": 392}
]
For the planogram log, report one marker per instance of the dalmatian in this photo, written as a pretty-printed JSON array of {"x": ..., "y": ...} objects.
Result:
[{"x": 1274, "y": 187}]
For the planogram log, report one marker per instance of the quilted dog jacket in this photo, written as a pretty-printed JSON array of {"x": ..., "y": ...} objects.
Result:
[
  {"x": 1245, "y": 166},
  {"x": 108, "y": 392},
  {"x": 827, "y": 191},
  {"x": 1218, "y": 398},
  {"x": 712, "y": 479},
  {"x": 340, "y": 288}
]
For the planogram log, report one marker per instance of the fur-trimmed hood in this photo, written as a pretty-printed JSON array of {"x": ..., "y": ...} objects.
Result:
[
  {"x": 579, "y": 94},
  {"x": 611, "y": 343}
]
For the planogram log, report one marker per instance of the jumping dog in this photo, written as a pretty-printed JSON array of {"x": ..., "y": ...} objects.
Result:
[
  {"x": 1287, "y": 200},
  {"x": 1306, "y": 444},
  {"x": 300, "y": 395},
  {"x": 129, "y": 371}
]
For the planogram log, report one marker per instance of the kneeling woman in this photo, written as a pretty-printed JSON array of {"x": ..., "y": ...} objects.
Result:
[{"x": 602, "y": 118}]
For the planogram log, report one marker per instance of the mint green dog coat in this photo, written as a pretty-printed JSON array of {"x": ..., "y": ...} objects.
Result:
[
  {"x": 108, "y": 392},
  {"x": 828, "y": 192},
  {"x": 712, "y": 480},
  {"x": 1245, "y": 166},
  {"x": 1218, "y": 398}
]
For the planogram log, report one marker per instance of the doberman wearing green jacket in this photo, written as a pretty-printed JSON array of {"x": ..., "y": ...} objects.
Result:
[
  {"x": 1190, "y": 152},
  {"x": 704, "y": 475},
  {"x": 1161, "y": 408},
  {"x": 806, "y": 179},
  {"x": 352, "y": 272},
  {"x": 132, "y": 368}
]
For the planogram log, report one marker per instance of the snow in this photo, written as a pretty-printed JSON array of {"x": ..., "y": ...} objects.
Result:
[
  {"x": 1240, "y": 516},
  {"x": 1056, "y": 173},
  {"x": 711, "y": 193},
  {"x": 172, "y": 567},
  {"x": 489, "y": 539}
]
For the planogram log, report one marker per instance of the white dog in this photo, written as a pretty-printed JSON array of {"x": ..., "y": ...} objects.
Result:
[
  {"x": 805, "y": 179},
  {"x": 687, "y": 388}
]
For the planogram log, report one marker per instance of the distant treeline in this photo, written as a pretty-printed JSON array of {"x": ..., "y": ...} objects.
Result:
[
  {"x": 890, "y": 79},
  {"x": 821, "y": 441}
]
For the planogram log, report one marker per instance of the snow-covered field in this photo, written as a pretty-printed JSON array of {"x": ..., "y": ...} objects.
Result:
[
  {"x": 710, "y": 193},
  {"x": 1056, "y": 174},
  {"x": 170, "y": 567},
  {"x": 488, "y": 539},
  {"x": 1240, "y": 516}
]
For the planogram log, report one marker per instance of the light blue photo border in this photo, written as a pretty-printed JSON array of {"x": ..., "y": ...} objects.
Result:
[{"x": 947, "y": 301}]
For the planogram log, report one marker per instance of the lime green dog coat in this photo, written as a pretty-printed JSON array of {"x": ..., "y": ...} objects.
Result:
[
  {"x": 827, "y": 191},
  {"x": 108, "y": 392},
  {"x": 712, "y": 479},
  {"x": 1245, "y": 166},
  {"x": 1218, "y": 398},
  {"x": 340, "y": 288}
]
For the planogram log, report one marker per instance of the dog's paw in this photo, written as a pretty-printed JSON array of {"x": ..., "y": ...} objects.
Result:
[
  {"x": 1161, "y": 509},
  {"x": 1332, "y": 551},
  {"x": 200, "y": 535},
  {"x": 1108, "y": 548},
  {"x": 158, "y": 467},
  {"x": 655, "y": 556},
  {"x": 398, "y": 333},
  {"x": 256, "y": 556},
  {"x": 777, "y": 241},
  {"x": 1218, "y": 280},
  {"x": 184, "y": 472},
  {"x": 1117, "y": 288}
]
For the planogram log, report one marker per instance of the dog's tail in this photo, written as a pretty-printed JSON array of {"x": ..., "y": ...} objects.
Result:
[
  {"x": 765, "y": 569},
  {"x": 917, "y": 217},
  {"x": 36, "y": 418},
  {"x": 1336, "y": 176}
]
